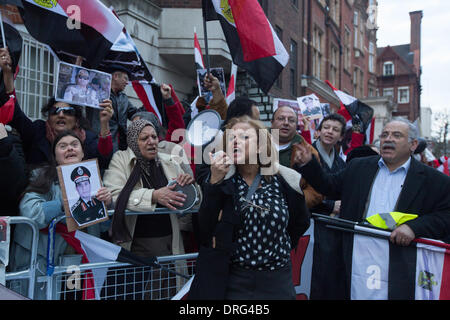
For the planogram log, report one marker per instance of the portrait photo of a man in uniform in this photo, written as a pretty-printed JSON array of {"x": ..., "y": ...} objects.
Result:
[
  {"x": 81, "y": 86},
  {"x": 87, "y": 208},
  {"x": 310, "y": 106}
]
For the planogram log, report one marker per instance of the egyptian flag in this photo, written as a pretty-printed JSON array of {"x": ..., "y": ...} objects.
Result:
[
  {"x": 198, "y": 56},
  {"x": 231, "y": 92},
  {"x": 183, "y": 294},
  {"x": 147, "y": 91},
  {"x": 355, "y": 108},
  {"x": 93, "y": 250},
  {"x": 253, "y": 44},
  {"x": 84, "y": 28},
  {"x": 125, "y": 53},
  {"x": 384, "y": 271},
  {"x": 370, "y": 131},
  {"x": 444, "y": 167}
]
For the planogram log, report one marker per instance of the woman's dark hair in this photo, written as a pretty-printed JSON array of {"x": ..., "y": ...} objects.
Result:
[
  {"x": 241, "y": 106},
  {"x": 334, "y": 117},
  {"x": 45, "y": 175}
]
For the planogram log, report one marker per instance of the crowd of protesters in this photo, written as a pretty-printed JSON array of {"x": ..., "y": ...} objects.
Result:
[{"x": 254, "y": 225}]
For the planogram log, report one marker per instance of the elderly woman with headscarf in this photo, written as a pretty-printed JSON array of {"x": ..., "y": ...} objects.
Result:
[{"x": 138, "y": 180}]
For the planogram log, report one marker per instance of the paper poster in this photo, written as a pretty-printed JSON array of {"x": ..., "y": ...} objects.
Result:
[
  {"x": 79, "y": 185},
  {"x": 80, "y": 86}
]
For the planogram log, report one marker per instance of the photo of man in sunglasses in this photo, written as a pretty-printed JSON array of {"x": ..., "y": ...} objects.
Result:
[{"x": 81, "y": 92}]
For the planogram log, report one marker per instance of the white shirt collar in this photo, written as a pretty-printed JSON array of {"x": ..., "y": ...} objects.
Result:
[{"x": 405, "y": 165}]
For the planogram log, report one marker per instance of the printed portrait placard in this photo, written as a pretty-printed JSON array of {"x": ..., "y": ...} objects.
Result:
[
  {"x": 80, "y": 86},
  {"x": 79, "y": 185}
]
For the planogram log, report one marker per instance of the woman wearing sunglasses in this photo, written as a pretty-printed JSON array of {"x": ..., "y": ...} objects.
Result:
[{"x": 37, "y": 136}]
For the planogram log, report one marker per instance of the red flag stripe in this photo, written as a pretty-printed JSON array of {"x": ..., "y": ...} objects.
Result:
[
  {"x": 198, "y": 52},
  {"x": 253, "y": 28},
  {"x": 97, "y": 15},
  {"x": 445, "y": 280},
  {"x": 88, "y": 281}
]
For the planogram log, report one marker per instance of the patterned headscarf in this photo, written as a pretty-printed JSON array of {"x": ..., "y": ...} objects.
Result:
[
  {"x": 119, "y": 231},
  {"x": 133, "y": 132}
]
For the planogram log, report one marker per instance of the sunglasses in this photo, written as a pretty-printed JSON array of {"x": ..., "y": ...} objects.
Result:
[
  {"x": 68, "y": 111},
  {"x": 83, "y": 77}
]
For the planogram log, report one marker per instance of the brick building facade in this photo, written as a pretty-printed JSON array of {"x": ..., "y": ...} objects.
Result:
[
  {"x": 340, "y": 47},
  {"x": 399, "y": 72}
]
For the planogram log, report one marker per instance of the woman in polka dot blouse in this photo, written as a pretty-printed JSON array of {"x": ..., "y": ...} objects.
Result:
[{"x": 252, "y": 216}]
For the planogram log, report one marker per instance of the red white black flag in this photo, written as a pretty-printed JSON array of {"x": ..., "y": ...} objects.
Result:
[
  {"x": 356, "y": 111},
  {"x": 254, "y": 45},
  {"x": 198, "y": 53},
  {"x": 231, "y": 92},
  {"x": 84, "y": 28}
]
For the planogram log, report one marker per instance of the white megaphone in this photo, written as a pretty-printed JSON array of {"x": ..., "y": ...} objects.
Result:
[{"x": 203, "y": 128}]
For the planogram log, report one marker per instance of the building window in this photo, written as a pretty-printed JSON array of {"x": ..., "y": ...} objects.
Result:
[
  {"x": 388, "y": 68},
  {"x": 334, "y": 65},
  {"x": 317, "y": 53},
  {"x": 279, "y": 33},
  {"x": 403, "y": 95},
  {"x": 34, "y": 83},
  {"x": 355, "y": 29},
  {"x": 371, "y": 57},
  {"x": 358, "y": 82},
  {"x": 361, "y": 34},
  {"x": 334, "y": 11},
  {"x": 388, "y": 92},
  {"x": 293, "y": 68},
  {"x": 361, "y": 83},
  {"x": 294, "y": 3},
  {"x": 347, "y": 49}
]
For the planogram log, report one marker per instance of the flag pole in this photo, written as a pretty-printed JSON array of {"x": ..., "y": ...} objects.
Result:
[
  {"x": 3, "y": 31},
  {"x": 205, "y": 32}
]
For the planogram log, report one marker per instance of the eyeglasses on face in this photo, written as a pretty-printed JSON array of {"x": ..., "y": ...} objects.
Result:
[
  {"x": 291, "y": 120},
  {"x": 68, "y": 111},
  {"x": 396, "y": 135}
]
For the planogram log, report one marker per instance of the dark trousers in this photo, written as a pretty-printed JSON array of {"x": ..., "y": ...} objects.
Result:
[{"x": 246, "y": 284}]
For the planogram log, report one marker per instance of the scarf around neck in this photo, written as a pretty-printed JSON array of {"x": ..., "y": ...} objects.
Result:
[{"x": 149, "y": 169}]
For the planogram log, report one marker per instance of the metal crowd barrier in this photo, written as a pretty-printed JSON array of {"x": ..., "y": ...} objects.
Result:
[
  {"x": 30, "y": 273},
  {"x": 121, "y": 281},
  {"x": 74, "y": 281}
]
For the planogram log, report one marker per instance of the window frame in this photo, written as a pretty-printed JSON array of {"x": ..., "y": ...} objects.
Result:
[
  {"x": 388, "y": 63},
  {"x": 399, "y": 95}
]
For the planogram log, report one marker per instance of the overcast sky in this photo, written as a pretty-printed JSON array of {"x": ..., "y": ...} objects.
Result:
[{"x": 394, "y": 29}]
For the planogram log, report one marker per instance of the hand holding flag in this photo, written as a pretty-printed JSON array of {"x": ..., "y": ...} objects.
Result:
[{"x": 253, "y": 44}]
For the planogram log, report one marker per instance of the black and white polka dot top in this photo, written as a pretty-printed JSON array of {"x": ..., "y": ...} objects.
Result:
[{"x": 263, "y": 242}]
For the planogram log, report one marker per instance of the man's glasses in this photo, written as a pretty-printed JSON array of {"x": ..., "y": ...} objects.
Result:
[
  {"x": 83, "y": 77},
  {"x": 68, "y": 111}
]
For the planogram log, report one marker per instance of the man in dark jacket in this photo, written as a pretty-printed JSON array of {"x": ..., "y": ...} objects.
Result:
[
  {"x": 331, "y": 130},
  {"x": 123, "y": 109},
  {"x": 393, "y": 182},
  {"x": 370, "y": 185}
]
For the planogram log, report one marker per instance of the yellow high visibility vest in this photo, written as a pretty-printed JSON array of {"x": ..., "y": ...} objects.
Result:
[{"x": 390, "y": 220}]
